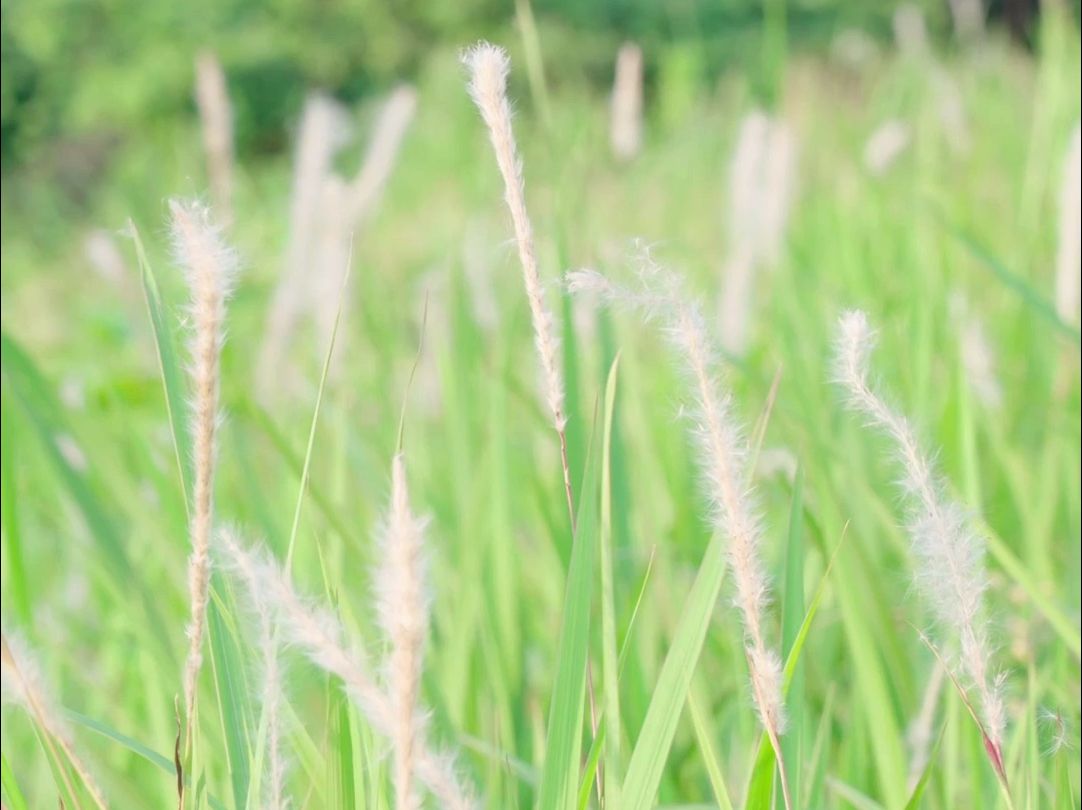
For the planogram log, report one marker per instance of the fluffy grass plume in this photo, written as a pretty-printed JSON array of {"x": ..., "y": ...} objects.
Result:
[
  {"x": 488, "y": 66},
  {"x": 625, "y": 112},
  {"x": 1069, "y": 254},
  {"x": 315, "y": 630},
  {"x": 210, "y": 267},
  {"x": 950, "y": 572},
  {"x": 885, "y": 145},
  {"x": 323, "y": 130},
  {"x": 216, "y": 118},
  {"x": 722, "y": 458},
  {"x": 402, "y": 606},
  {"x": 762, "y": 182},
  {"x": 24, "y": 685},
  {"x": 346, "y": 205}
]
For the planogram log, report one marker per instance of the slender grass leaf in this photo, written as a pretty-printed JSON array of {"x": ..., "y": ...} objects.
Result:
[{"x": 559, "y": 774}]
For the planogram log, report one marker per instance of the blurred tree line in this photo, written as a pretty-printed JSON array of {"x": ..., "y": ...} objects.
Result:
[{"x": 79, "y": 74}]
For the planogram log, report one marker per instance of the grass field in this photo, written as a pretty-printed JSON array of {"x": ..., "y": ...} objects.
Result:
[{"x": 435, "y": 348}]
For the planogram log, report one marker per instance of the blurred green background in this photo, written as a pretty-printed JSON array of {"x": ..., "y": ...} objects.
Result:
[{"x": 87, "y": 82}]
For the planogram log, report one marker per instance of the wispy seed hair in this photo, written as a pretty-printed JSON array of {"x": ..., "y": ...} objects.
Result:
[
  {"x": 271, "y": 690},
  {"x": 722, "y": 459},
  {"x": 320, "y": 635},
  {"x": 402, "y": 604},
  {"x": 488, "y": 67},
  {"x": 949, "y": 572},
  {"x": 24, "y": 685},
  {"x": 210, "y": 267}
]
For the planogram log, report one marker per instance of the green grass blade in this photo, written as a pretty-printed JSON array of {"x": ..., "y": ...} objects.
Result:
[
  {"x": 232, "y": 695},
  {"x": 609, "y": 656},
  {"x": 792, "y": 619},
  {"x": 761, "y": 782},
  {"x": 917, "y": 796},
  {"x": 12, "y": 793},
  {"x": 559, "y": 775},
  {"x": 172, "y": 378},
  {"x": 306, "y": 468},
  {"x": 1014, "y": 569},
  {"x": 655, "y": 738},
  {"x": 131, "y": 744},
  {"x": 1015, "y": 283},
  {"x": 39, "y": 403},
  {"x": 707, "y": 750},
  {"x": 16, "y": 583}
]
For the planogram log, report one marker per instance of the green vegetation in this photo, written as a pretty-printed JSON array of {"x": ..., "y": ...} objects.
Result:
[{"x": 94, "y": 516}]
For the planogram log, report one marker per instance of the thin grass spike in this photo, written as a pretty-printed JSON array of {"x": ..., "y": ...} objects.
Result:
[
  {"x": 402, "y": 606},
  {"x": 722, "y": 458},
  {"x": 210, "y": 267},
  {"x": 950, "y": 572}
]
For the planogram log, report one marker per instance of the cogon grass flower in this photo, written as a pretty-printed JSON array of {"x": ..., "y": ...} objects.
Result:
[
  {"x": 216, "y": 117},
  {"x": 402, "y": 607},
  {"x": 488, "y": 66},
  {"x": 761, "y": 187},
  {"x": 393, "y": 709},
  {"x": 323, "y": 129},
  {"x": 722, "y": 458},
  {"x": 1069, "y": 250},
  {"x": 210, "y": 267},
  {"x": 317, "y": 632},
  {"x": 344, "y": 206},
  {"x": 949, "y": 552},
  {"x": 625, "y": 115},
  {"x": 24, "y": 685}
]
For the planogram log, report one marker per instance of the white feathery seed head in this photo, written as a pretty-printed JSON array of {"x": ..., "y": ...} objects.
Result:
[
  {"x": 384, "y": 144},
  {"x": 949, "y": 552},
  {"x": 216, "y": 116},
  {"x": 625, "y": 124},
  {"x": 762, "y": 186},
  {"x": 402, "y": 605},
  {"x": 746, "y": 182},
  {"x": 320, "y": 635},
  {"x": 488, "y": 66},
  {"x": 1068, "y": 253},
  {"x": 977, "y": 355},
  {"x": 779, "y": 189},
  {"x": 104, "y": 256},
  {"x": 721, "y": 456},
  {"x": 968, "y": 18},
  {"x": 951, "y": 111},
  {"x": 885, "y": 145},
  {"x": 324, "y": 129},
  {"x": 209, "y": 263},
  {"x": 343, "y": 209},
  {"x": 910, "y": 32},
  {"x": 210, "y": 267},
  {"x": 23, "y": 684}
]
